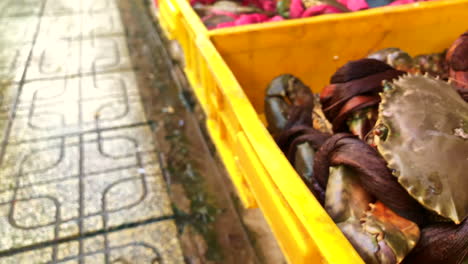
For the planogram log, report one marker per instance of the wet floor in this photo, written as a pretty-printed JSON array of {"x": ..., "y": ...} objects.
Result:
[{"x": 80, "y": 179}]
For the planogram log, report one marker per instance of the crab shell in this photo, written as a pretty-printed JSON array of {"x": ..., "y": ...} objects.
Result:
[
  {"x": 394, "y": 57},
  {"x": 427, "y": 142}
]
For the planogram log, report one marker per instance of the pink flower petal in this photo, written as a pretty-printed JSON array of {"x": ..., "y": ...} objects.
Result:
[
  {"x": 269, "y": 6},
  {"x": 401, "y": 2},
  {"x": 319, "y": 10},
  {"x": 250, "y": 19},
  {"x": 276, "y": 18},
  {"x": 296, "y": 9},
  {"x": 354, "y": 5},
  {"x": 226, "y": 24}
]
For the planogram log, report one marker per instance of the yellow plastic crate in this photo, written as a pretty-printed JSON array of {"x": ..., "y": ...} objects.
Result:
[
  {"x": 181, "y": 23},
  {"x": 230, "y": 68}
]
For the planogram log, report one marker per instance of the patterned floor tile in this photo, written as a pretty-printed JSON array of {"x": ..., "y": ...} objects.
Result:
[
  {"x": 105, "y": 54},
  {"x": 20, "y": 8},
  {"x": 78, "y": 163},
  {"x": 18, "y": 29},
  {"x": 102, "y": 24},
  {"x": 98, "y": 6},
  {"x": 52, "y": 189},
  {"x": 153, "y": 243},
  {"x": 66, "y": 27},
  {"x": 53, "y": 59},
  {"x": 106, "y": 85},
  {"x": 61, "y": 7},
  {"x": 8, "y": 94},
  {"x": 13, "y": 59},
  {"x": 54, "y": 107},
  {"x": 115, "y": 149}
]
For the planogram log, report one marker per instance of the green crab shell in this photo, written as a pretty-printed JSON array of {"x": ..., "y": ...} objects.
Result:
[{"x": 427, "y": 144}]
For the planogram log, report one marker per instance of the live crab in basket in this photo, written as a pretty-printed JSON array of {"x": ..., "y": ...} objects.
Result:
[{"x": 384, "y": 148}]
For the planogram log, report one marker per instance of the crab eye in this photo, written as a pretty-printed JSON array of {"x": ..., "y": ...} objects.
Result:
[
  {"x": 381, "y": 131},
  {"x": 387, "y": 86}
]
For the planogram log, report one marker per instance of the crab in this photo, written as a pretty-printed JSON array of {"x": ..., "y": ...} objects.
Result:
[
  {"x": 425, "y": 142},
  {"x": 357, "y": 183},
  {"x": 224, "y": 11},
  {"x": 297, "y": 123},
  {"x": 394, "y": 57},
  {"x": 417, "y": 169},
  {"x": 433, "y": 64},
  {"x": 286, "y": 95},
  {"x": 295, "y": 9},
  {"x": 225, "y": 6},
  {"x": 389, "y": 167},
  {"x": 457, "y": 58},
  {"x": 376, "y": 231},
  {"x": 350, "y": 102}
]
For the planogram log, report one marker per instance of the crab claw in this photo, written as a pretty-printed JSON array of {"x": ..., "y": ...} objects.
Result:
[
  {"x": 396, "y": 235},
  {"x": 381, "y": 236},
  {"x": 285, "y": 93},
  {"x": 377, "y": 233}
]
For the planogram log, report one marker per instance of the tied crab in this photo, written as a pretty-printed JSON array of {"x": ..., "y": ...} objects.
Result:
[
  {"x": 297, "y": 123},
  {"x": 417, "y": 168},
  {"x": 457, "y": 57},
  {"x": 451, "y": 65},
  {"x": 378, "y": 234},
  {"x": 393, "y": 175},
  {"x": 350, "y": 102},
  {"x": 433, "y": 64}
]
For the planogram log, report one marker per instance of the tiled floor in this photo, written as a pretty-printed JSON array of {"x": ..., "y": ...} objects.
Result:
[{"x": 79, "y": 177}]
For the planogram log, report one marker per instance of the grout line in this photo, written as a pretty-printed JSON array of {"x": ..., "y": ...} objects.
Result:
[
  {"x": 90, "y": 131},
  {"x": 77, "y": 75},
  {"x": 80, "y": 237},
  {"x": 81, "y": 146},
  {"x": 83, "y": 74}
]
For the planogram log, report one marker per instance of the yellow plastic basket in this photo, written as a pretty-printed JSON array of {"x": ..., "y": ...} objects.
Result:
[{"x": 230, "y": 68}]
